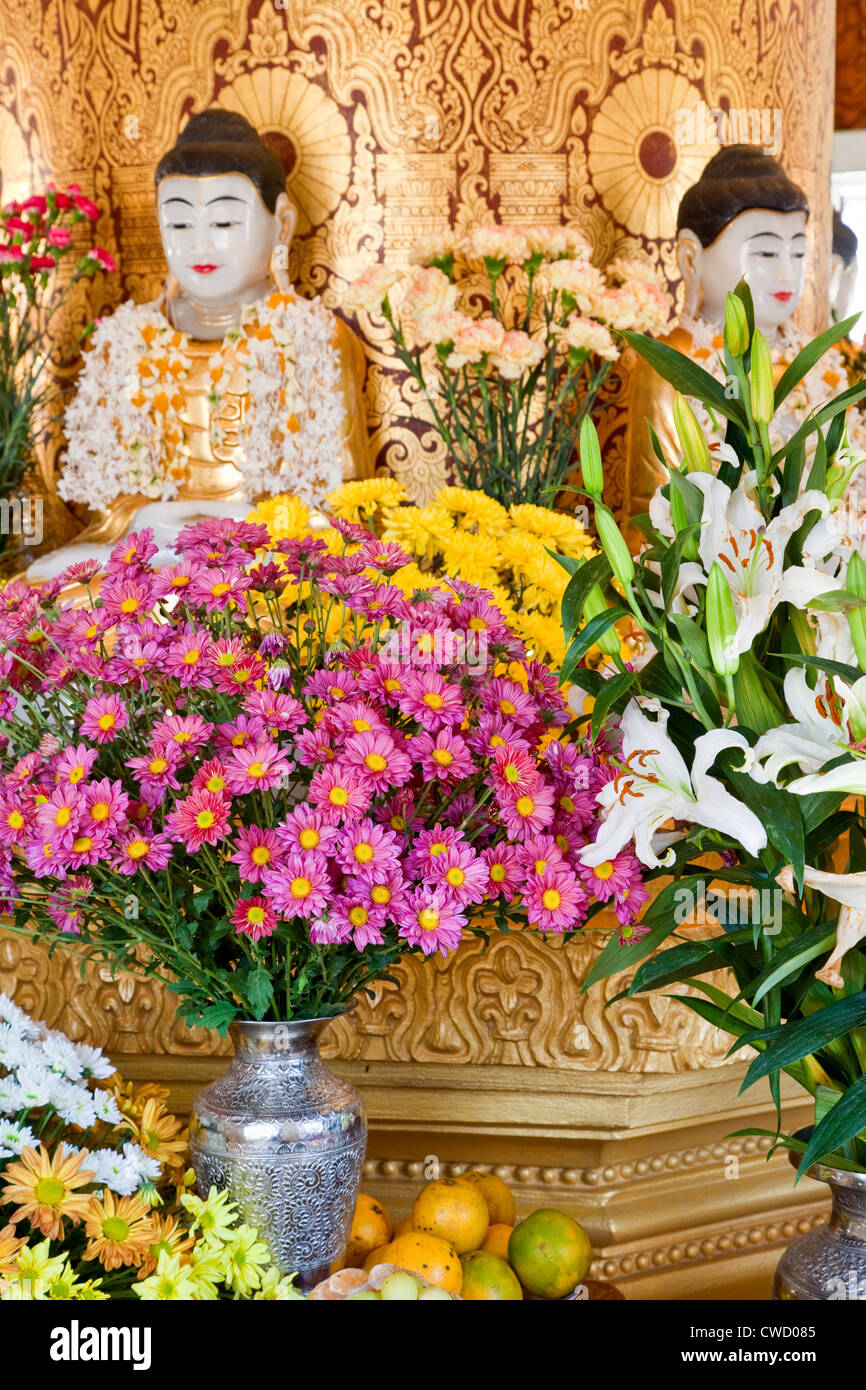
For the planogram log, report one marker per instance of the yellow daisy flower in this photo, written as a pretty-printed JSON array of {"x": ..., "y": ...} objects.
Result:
[
  {"x": 43, "y": 1187},
  {"x": 213, "y": 1215},
  {"x": 246, "y": 1256},
  {"x": 120, "y": 1230},
  {"x": 161, "y": 1135},
  {"x": 277, "y": 1288},
  {"x": 172, "y": 1282},
  {"x": 167, "y": 1237}
]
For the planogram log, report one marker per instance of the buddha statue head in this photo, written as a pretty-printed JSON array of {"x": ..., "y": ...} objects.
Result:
[
  {"x": 226, "y": 221},
  {"x": 843, "y": 267},
  {"x": 743, "y": 219}
]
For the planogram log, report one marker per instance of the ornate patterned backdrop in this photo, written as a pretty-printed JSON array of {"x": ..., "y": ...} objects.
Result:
[{"x": 396, "y": 118}]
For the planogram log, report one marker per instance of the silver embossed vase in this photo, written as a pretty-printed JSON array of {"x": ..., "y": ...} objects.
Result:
[
  {"x": 829, "y": 1262},
  {"x": 287, "y": 1139}
]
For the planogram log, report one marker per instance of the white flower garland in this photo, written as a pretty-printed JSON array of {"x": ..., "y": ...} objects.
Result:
[{"x": 124, "y": 427}]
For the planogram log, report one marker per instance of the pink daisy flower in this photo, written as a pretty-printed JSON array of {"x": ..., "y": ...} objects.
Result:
[
  {"x": 504, "y": 868},
  {"x": 140, "y": 847},
  {"x": 538, "y": 854},
  {"x": 254, "y": 917},
  {"x": 338, "y": 794},
  {"x": 430, "y": 921},
  {"x": 462, "y": 874},
  {"x": 398, "y": 812},
  {"x": 314, "y": 746},
  {"x": 525, "y": 814},
  {"x": 59, "y": 817},
  {"x": 378, "y": 760},
  {"x": 554, "y": 900},
  {"x": 175, "y": 579},
  {"x": 189, "y": 731},
  {"x": 201, "y": 818},
  {"x": 89, "y": 846},
  {"x": 482, "y": 619},
  {"x": 156, "y": 771},
  {"x": 306, "y": 830},
  {"x": 384, "y": 680},
  {"x": 328, "y": 932},
  {"x": 186, "y": 658},
  {"x": 258, "y": 767},
  {"x": 219, "y": 588},
  {"x": 105, "y": 804},
  {"x": 506, "y": 697},
  {"x": 612, "y": 876},
  {"x": 65, "y": 906},
  {"x": 15, "y": 821},
  {"x": 104, "y": 718},
  {"x": 331, "y": 686},
  {"x": 365, "y": 846},
  {"x": 382, "y": 893},
  {"x": 354, "y": 717},
  {"x": 240, "y": 675},
  {"x": 515, "y": 770},
  {"x": 383, "y": 555},
  {"x": 43, "y": 858},
  {"x": 239, "y": 733},
  {"x": 354, "y": 913},
  {"x": 74, "y": 764},
  {"x": 277, "y": 711},
  {"x": 429, "y": 844},
  {"x": 443, "y": 758},
  {"x": 131, "y": 663},
  {"x": 211, "y": 777},
  {"x": 132, "y": 552},
  {"x": 429, "y": 698},
  {"x": 257, "y": 851},
  {"x": 628, "y": 907},
  {"x": 300, "y": 887},
  {"x": 128, "y": 598}
]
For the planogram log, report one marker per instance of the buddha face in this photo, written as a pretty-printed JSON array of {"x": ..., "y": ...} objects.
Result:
[
  {"x": 843, "y": 280},
  {"x": 767, "y": 249},
  {"x": 218, "y": 236}
]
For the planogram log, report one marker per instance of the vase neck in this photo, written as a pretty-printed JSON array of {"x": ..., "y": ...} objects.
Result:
[
  {"x": 848, "y": 1216},
  {"x": 262, "y": 1041}
]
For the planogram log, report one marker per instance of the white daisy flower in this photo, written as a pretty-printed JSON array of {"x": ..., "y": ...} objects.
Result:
[
  {"x": 15, "y": 1137},
  {"x": 105, "y": 1108},
  {"x": 10, "y": 1013},
  {"x": 115, "y": 1171},
  {"x": 147, "y": 1168},
  {"x": 61, "y": 1056},
  {"x": 93, "y": 1062},
  {"x": 11, "y": 1096},
  {"x": 36, "y": 1084},
  {"x": 76, "y": 1107}
]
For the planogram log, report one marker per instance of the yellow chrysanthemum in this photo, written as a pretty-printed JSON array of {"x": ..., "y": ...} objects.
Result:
[
  {"x": 172, "y": 1282},
  {"x": 213, "y": 1215},
  {"x": 246, "y": 1257},
  {"x": 284, "y": 515},
  {"x": 411, "y": 577},
  {"x": 277, "y": 1288},
  {"x": 43, "y": 1188},
  {"x": 560, "y": 530},
  {"x": 161, "y": 1135},
  {"x": 473, "y": 507},
  {"x": 364, "y": 495}
]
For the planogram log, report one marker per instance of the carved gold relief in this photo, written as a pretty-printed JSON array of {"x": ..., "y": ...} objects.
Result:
[{"x": 397, "y": 119}]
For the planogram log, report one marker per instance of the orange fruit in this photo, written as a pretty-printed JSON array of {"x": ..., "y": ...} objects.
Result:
[
  {"x": 489, "y": 1278},
  {"x": 435, "y": 1260},
  {"x": 403, "y": 1226},
  {"x": 497, "y": 1195},
  {"x": 496, "y": 1240},
  {"x": 550, "y": 1253},
  {"x": 453, "y": 1210},
  {"x": 371, "y": 1227},
  {"x": 339, "y": 1285},
  {"x": 380, "y": 1256}
]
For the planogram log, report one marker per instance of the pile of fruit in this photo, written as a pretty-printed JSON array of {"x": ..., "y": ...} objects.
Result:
[{"x": 461, "y": 1238}]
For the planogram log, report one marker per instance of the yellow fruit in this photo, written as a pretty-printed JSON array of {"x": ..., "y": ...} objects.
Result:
[
  {"x": 550, "y": 1253},
  {"x": 497, "y": 1195},
  {"x": 403, "y": 1226},
  {"x": 435, "y": 1260},
  {"x": 488, "y": 1278},
  {"x": 371, "y": 1227},
  {"x": 453, "y": 1210},
  {"x": 496, "y": 1241},
  {"x": 380, "y": 1256}
]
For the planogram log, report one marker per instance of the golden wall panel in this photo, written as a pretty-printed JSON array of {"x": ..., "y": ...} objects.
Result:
[{"x": 396, "y": 118}]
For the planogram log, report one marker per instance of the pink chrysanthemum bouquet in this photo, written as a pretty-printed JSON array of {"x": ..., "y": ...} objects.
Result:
[{"x": 276, "y": 774}]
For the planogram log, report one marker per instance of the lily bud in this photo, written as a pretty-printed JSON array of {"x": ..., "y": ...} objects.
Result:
[
  {"x": 855, "y": 583},
  {"x": 590, "y": 458},
  {"x": 614, "y": 546},
  {"x": 736, "y": 326},
  {"x": 761, "y": 384},
  {"x": 594, "y": 604},
  {"x": 721, "y": 623},
  {"x": 696, "y": 451},
  {"x": 680, "y": 522}
]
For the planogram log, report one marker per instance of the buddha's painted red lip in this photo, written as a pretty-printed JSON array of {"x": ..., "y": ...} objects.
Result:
[
  {"x": 784, "y": 295},
  {"x": 204, "y": 269}
]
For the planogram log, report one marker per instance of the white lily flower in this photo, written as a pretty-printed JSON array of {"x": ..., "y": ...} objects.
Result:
[
  {"x": 826, "y": 721},
  {"x": 850, "y": 891},
  {"x": 752, "y": 554},
  {"x": 656, "y": 786}
]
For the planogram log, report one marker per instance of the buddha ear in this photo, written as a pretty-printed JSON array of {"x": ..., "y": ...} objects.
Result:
[
  {"x": 689, "y": 251},
  {"x": 285, "y": 221}
]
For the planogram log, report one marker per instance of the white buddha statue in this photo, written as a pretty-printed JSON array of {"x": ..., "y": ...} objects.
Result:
[
  {"x": 230, "y": 387},
  {"x": 743, "y": 219},
  {"x": 843, "y": 268}
]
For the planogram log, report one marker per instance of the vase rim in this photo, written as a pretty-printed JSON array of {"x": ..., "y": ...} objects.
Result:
[{"x": 825, "y": 1172}]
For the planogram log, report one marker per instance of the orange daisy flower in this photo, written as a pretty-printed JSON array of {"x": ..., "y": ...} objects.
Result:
[
  {"x": 43, "y": 1187},
  {"x": 158, "y": 1133},
  {"x": 167, "y": 1237},
  {"x": 120, "y": 1230},
  {"x": 10, "y": 1244}
]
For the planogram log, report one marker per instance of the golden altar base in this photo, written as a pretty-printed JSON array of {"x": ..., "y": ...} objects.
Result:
[{"x": 494, "y": 1057}]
